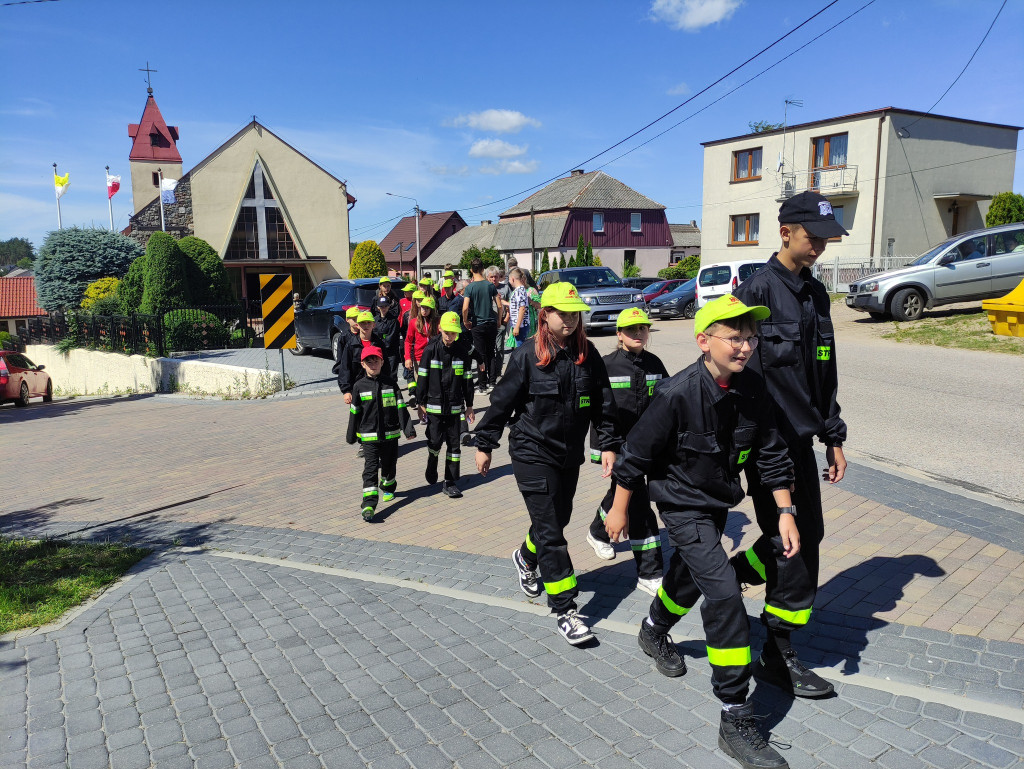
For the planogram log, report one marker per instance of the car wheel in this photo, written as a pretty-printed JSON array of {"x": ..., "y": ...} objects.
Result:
[
  {"x": 23, "y": 395},
  {"x": 907, "y": 304},
  {"x": 300, "y": 348},
  {"x": 877, "y": 315},
  {"x": 690, "y": 310},
  {"x": 48, "y": 395},
  {"x": 336, "y": 341}
]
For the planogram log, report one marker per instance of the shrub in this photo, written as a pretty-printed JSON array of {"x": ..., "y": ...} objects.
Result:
[
  {"x": 129, "y": 291},
  {"x": 194, "y": 330},
  {"x": 243, "y": 337},
  {"x": 165, "y": 286},
  {"x": 489, "y": 256},
  {"x": 99, "y": 290},
  {"x": 597, "y": 261},
  {"x": 1006, "y": 208},
  {"x": 545, "y": 263},
  {"x": 630, "y": 271},
  {"x": 207, "y": 279},
  {"x": 6, "y": 341},
  {"x": 368, "y": 261},
  {"x": 72, "y": 258},
  {"x": 684, "y": 270}
]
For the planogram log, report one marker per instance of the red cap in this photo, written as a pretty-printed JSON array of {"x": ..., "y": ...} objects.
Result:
[{"x": 371, "y": 351}]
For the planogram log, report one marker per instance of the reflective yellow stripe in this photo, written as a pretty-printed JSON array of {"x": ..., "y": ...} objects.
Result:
[
  {"x": 729, "y": 657},
  {"x": 529, "y": 544},
  {"x": 554, "y": 588},
  {"x": 755, "y": 562},
  {"x": 799, "y": 617},
  {"x": 671, "y": 605},
  {"x": 645, "y": 544}
]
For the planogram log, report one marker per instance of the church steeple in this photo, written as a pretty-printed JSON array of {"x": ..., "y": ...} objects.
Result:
[{"x": 154, "y": 146}]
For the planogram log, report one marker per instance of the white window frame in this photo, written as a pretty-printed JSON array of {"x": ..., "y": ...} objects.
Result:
[
  {"x": 598, "y": 216},
  {"x": 636, "y": 223}
]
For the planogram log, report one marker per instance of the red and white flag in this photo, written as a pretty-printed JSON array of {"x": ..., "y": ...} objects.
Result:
[{"x": 113, "y": 185}]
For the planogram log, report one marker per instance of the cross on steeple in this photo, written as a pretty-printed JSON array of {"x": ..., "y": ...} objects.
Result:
[{"x": 149, "y": 84}]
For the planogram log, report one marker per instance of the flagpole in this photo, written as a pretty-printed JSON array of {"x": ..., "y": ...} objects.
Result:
[
  {"x": 110, "y": 206},
  {"x": 161, "y": 175},
  {"x": 57, "y": 193}
]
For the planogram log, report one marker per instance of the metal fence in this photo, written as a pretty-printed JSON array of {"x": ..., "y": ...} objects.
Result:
[
  {"x": 184, "y": 329},
  {"x": 839, "y": 272}
]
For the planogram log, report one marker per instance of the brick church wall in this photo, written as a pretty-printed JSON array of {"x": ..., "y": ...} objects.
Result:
[{"x": 177, "y": 217}]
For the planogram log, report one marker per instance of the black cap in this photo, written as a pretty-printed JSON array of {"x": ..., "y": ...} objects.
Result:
[
  {"x": 383, "y": 300},
  {"x": 814, "y": 213}
]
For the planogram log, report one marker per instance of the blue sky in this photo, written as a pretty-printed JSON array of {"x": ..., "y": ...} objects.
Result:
[{"x": 464, "y": 105}]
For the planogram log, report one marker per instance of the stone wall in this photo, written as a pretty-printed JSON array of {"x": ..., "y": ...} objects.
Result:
[{"x": 177, "y": 217}]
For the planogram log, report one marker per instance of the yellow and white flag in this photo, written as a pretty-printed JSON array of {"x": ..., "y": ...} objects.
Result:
[{"x": 60, "y": 183}]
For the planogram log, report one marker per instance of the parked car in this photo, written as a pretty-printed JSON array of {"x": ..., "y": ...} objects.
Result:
[
  {"x": 321, "y": 316},
  {"x": 655, "y": 290},
  {"x": 21, "y": 379},
  {"x": 981, "y": 264},
  {"x": 640, "y": 283},
  {"x": 681, "y": 302},
  {"x": 600, "y": 288},
  {"x": 715, "y": 280}
]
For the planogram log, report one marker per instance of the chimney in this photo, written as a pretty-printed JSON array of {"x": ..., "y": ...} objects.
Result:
[
  {"x": 577, "y": 172},
  {"x": 484, "y": 222},
  {"x": 422, "y": 213},
  {"x": 693, "y": 223}
]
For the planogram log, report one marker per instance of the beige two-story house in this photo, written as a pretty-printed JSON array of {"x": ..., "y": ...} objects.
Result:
[{"x": 899, "y": 181}]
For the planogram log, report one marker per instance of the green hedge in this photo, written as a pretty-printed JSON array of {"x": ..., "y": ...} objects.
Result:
[{"x": 194, "y": 330}]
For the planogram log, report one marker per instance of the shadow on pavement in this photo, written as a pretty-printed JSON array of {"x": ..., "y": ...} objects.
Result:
[
  {"x": 36, "y": 518},
  {"x": 35, "y": 410}
]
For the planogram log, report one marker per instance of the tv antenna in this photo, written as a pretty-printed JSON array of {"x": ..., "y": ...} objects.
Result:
[{"x": 785, "y": 124}]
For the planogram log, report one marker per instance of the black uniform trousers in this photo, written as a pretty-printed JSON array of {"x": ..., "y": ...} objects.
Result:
[
  {"x": 699, "y": 566},
  {"x": 644, "y": 535},
  {"x": 548, "y": 493},
  {"x": 484, "y": 333},
  {"x": 790, "y": 583},
  {"x": 447, "y": 429},
  {"x": 383, "y": 456}
]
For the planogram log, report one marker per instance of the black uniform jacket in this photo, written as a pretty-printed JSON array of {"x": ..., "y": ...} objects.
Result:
[
  {"x": 797, "y": 353},
  {"x": 556, "y": 405},
  {"x": 445, "y": 384},
  {"x": 349, "y": 366},
  {"x": 377, "y": 411},
  {"x": 693, "y": 439},
  {"x": 632, "y": 379},
  {"x": 387, "y": 325}
]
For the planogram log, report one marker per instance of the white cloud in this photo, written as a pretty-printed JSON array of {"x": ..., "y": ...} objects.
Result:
[
  {"x": 496, "y": 148},
  {"x": 449, "y": 170},
  {"x": 693, "y": 15},
  {"x": 502, "y": 121},
  {"x": 511, "y": 167},
  {"x": 678, "y": 90}
]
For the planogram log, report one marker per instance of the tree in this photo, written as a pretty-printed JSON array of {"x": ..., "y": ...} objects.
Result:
[
  {"x": 588, "y": 257},
  {"x": 581, "y": 254},
  {"x": 101, "y": 297},
  {"x": 14, "y": 250},
  {"x": 555, "y": 265},
  {"x": 165, "y": 286},
  {"x": 597, "y": 261},
  {"x": 545, "y": 263},
  {"x": 207, "y": 278},
  {"x": 630, "y": 271},
  {"x": 489, "y": 256},
  {"x": 763, "y": 126},
  {"x": 72, "y": 258},
  {"x": 25, "y": 263},
  {"x": 368, "y": 261},
  {"x": 1006, "y": 208},
  {"x": 129, "y": 290}
]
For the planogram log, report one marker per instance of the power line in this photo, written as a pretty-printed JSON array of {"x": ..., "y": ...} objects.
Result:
[{"x": 27, "y": 2}]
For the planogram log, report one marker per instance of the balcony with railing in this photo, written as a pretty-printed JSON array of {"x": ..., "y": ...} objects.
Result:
[{"x": 838, "y": 181}]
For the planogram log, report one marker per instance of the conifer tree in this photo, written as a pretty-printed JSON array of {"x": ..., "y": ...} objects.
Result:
[{"x": 545, "y": 263}]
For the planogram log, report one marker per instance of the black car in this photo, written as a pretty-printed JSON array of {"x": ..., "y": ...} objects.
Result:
[
  {"x": 640, "y": 283},
  {"x": 322, "y": 313},
  {"x": 681, "y": 302}
]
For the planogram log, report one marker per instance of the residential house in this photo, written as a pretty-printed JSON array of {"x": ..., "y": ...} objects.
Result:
[
  {"x": 899, "y": 181},
  {"x": 18, "y": 303},
  {"x": 685, "y": 240},
  {"x": 623, "y": 226},
  {"x": 399, "y": 245}
]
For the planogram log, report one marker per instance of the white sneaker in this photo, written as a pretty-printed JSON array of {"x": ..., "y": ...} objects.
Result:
[
  {"x": 573, "y": 628},
  {"x": 603, "y": 549},
  {"x": 649, "y": 585}
]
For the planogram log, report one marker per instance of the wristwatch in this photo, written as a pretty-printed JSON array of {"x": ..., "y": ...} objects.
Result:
[{"x": 791, "y": 510}]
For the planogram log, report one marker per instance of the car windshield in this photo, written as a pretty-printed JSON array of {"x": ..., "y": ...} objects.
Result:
[
  {"x": 927, "y": 256},
  {"x": 591, "y": 278},
  {"x": 655, "y": 287},
  {"x": 683, "y": 288}
]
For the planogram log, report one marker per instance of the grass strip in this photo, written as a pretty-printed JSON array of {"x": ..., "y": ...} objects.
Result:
[
  {"x": 961, "y": 331},
  {"x": 42, "y": 579}
]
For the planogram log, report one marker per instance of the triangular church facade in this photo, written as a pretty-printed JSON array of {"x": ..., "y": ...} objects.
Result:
[{"x": 263, "y": 205}]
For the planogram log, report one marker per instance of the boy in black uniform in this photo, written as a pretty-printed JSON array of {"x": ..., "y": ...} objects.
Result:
[
  {"x": 797, "y": 359},
  {"x": 376, "y": 416},
  {"x": 698, "y": 432},
  {"x": 445, "y": 388}
]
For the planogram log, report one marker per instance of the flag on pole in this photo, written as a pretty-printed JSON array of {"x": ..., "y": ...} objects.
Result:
[
  {"x": 113, "y": 185},
  {"x": 60, "y": 183},
  {"x": 167, "y": 190}
]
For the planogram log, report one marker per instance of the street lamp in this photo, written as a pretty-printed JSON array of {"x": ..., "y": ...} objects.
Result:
[
  {"x": 417, "y": 210},
  {"x": 401, "y": 255}
]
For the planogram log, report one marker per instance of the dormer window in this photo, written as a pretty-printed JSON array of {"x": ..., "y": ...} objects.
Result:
[{"x": 154, "y": 140}]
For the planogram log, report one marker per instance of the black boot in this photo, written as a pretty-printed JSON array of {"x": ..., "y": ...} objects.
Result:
[
  {"x": 660, "y": 648},
  {"x": 739, "y": 737},
  {"x": 780, "y": 666},
  {"x": 431, "y": 474}
]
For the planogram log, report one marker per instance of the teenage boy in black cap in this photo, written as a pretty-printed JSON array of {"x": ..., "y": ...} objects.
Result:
[{"x": 798, "y": 361}]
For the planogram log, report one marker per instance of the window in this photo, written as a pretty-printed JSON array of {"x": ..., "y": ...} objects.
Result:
[
  {"x": 746, "y": 165},
  {"x": 1009, "y": 242},
  {"x": 598, "y": 221},
  {"x": 829, "y": 151},
  {"x": 154, "y": 140},
  {"x": 629, "y": 257},
  {"x": 156, "y": 179},
  {"x": 634, "y": 223},
  {"x": 748, "y": 269},
  {"x": 838, "y": 212},
  {"x": 743, "y": 229},
  {"x": 715, "y": 276}
]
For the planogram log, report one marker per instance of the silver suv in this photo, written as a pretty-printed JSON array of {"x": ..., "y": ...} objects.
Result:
[
  {"x": 601, "y": 289},
  {"x": 982, "y": 264}
]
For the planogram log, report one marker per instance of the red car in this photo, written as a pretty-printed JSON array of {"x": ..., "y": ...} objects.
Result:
[
  {"x": 662, "y": 287},
  {"x": 21, "y": 379}
]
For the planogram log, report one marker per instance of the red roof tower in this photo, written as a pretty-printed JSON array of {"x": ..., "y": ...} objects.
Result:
[{"x": 154, "y": 146}]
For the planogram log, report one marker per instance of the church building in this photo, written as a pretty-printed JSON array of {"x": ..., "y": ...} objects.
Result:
[{"x": 263, "y": 205}]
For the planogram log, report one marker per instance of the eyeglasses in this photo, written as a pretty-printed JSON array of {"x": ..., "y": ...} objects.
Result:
[{"x": 737, "y": 342}]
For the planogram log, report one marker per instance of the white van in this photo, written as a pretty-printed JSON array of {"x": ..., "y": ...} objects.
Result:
[{"x": 717, "y": 280}]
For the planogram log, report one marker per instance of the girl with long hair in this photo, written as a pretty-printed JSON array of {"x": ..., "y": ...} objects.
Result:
[{"x": 422, "y": 328}]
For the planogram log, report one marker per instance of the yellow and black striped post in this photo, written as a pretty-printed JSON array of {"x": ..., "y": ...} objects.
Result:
[{"x": 278, "y": 312}]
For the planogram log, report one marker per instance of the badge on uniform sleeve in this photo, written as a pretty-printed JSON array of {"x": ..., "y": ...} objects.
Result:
[
  {"x": 584, "y": 401},
  {"x": 825, "y": 352},
  {"x": 743, "y": 456}
]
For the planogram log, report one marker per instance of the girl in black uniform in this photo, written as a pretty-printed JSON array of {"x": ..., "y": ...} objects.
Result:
[
  {"x": 558, "y": 386},
  {"x": 633, "y": 372}
]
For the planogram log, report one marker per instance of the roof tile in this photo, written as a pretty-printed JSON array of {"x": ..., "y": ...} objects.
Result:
[{"x": 18, "y": 298}]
